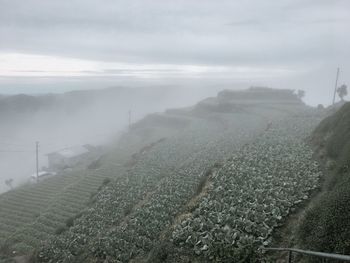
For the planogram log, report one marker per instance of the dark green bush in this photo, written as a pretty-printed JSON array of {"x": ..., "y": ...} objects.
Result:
[
  {"x": 60, "y": 230},
  {"x": 70, "y": 222},
  {"x": 326, "y": 226},
  {"x": 106, "y": 181}
]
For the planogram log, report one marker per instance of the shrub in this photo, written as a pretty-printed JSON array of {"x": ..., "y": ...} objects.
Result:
[
  {"x": 60, "y": 230},
  {"x": 326, "y": 226},
  {"x": 70, "y": 222},
  {"x": 106, "y": 181}
]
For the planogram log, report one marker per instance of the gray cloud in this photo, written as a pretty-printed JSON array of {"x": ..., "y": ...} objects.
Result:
[
  {"x": 175, "y": 31},
  {"x": 309, "y": 35}
]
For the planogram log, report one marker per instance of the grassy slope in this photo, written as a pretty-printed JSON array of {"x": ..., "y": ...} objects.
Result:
[{"x": 326, "y": 226}]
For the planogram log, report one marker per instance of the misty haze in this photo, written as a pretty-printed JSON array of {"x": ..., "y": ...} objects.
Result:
[{"x": 174, "y": 131}]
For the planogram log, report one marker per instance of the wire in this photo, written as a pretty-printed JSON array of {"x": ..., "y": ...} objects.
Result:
[
  {"x": 11, "y": 143},
  {"x": 15, "y": 144},
  {"x": 14, "y": 151}
]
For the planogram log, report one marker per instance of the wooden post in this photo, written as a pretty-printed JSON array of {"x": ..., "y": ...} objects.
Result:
[
  {"x": 336, "y": 84},
  {"x": 37, "y": 161},
  {"x": 290, "y": 257}
]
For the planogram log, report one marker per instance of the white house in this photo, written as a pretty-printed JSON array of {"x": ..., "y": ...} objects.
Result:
[
  {"x": 41, "y": 175},
  {"x": 67, "y": 157}
]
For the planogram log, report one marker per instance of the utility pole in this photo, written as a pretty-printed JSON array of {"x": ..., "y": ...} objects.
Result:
[
  {"x": 336, "y": 85},
  {"x": 37, "y": 160},
  {"x": 129, "y": 119}
]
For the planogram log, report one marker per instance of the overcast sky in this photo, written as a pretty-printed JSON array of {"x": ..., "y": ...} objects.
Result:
[{"x": 57, "y": 45}]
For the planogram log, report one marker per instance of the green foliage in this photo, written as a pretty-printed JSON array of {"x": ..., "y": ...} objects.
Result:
[
  {"x": 70, "y": 222},
  {"x": 160, "y": 252},
  {"x": 250, "y": 195},
  {"x": 22, "y": 248},
  {"x": 60, "y": 230},
  {"x": 342, "y": 91},
  {"x": 326, "y": 226},
  {"x": 127, "y": 210},
  {"x": 31, "y": 214},
  {"x": 106, "y": 181},
  {"x": 247, "y": 197},
  {"x": 334, "y": 133}
]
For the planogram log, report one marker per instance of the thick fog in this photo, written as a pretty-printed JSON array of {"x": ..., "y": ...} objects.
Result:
[
  {"x": 293, "y": 44},
  {"x": 57, "y": 121},
  {"x": 171, "y": 53}
]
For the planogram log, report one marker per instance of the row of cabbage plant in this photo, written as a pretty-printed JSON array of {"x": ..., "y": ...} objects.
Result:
[
  {"x": 251, "y": 194},
  {"x": 132, "y": 212}
]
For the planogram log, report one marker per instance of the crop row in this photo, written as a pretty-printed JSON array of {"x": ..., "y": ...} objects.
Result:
[
  {"x": 130, "y": 214},
  {"x": 251, "y": 194},
  {"x": 67, "y": 204},
  {"x": 31, "y": 214}
]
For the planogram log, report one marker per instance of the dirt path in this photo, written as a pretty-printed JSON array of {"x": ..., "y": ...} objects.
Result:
[{"x": 286, "y": 234}]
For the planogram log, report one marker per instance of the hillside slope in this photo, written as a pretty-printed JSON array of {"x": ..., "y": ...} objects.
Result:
[
  {"x": 33, "y": 212},
  {"x": 326, "y": 226},
  {"x": 130, "y": 215},
  {"x": 73, "y": 118}
]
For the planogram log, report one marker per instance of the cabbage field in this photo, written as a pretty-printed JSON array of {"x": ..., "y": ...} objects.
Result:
[
  {"x": 211, "y": 189},
  {"x": 251, "y": 194},
  {"x": 32, "y": 213},
  {"x": 130, "y": 214},
  {"x": 262, "y": 176}
]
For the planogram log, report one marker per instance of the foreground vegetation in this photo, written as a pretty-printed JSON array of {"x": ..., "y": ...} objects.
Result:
[
  {"x": 251, "y": 194},
  {"x": 326, "y": 225}
]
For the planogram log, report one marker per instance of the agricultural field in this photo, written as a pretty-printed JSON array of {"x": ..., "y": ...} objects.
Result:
[
  {"x": 250, "y": 195},
  {"x": 22, "y": 206},
  {"x": 187, "y": 178},
  {"x": 212, "y": 166},
  {"x": 139, "y": 205},
  {"x": 33, "y": 212},
  {"x": 30, "y": 214}
]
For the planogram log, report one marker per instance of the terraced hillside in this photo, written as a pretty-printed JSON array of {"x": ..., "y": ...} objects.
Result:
[
  {"x": 163, "y": 192},
  {"x": 247, "y": 197},
  {"x": 32, "y": 213}
]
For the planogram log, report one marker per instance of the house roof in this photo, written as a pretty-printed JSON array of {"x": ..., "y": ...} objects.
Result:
[
  {"x": 71, "y": 151},
  {"x": 42, "y": 173}
]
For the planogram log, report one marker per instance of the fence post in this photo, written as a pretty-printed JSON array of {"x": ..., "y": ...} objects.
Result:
[{"x": 290, "y": 256}]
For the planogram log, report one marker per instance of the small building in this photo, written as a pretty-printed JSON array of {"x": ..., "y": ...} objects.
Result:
[
  {"x": 67, "y": 157},
  {"x": 41, "y": 175}
]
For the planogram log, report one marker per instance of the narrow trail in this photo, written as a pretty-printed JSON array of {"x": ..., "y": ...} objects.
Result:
[
  {"x": 286, "y": 235},
  {"x": 186, "y": 210}
]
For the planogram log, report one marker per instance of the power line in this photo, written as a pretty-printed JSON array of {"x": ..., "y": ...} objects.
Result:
[
  {"x": 15, "y": 151},
  {"x": 14, "y": 144}
]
